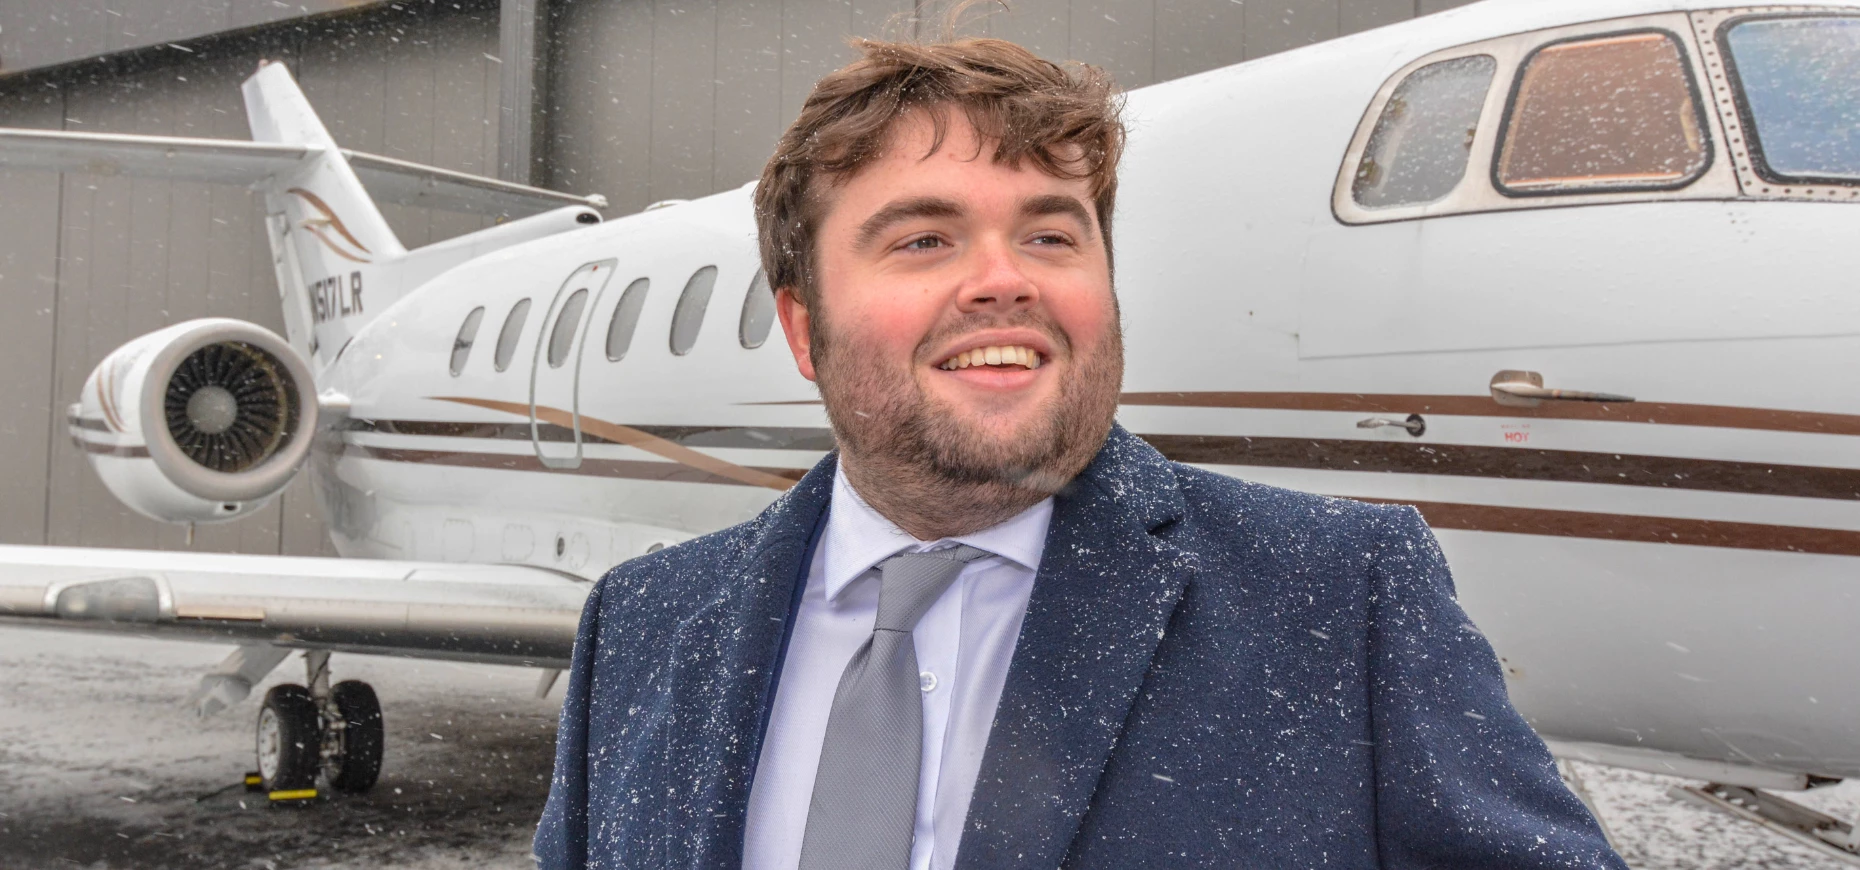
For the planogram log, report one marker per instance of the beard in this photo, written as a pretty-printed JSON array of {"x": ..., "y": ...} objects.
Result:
[{"x": 929, "y": 466}]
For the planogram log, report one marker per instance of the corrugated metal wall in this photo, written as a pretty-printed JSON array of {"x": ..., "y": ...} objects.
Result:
[
  {"x": 36, "y": 33},
  {"x": 647, "y": 100},
  {"x": 671, "y": 99},
  {"x": 87, "y": 263}
]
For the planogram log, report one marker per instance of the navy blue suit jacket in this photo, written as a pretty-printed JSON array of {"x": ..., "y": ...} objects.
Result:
[{"x": 1211, "y": 673}]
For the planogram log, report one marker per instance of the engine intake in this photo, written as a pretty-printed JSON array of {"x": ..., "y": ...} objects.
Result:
[
  {"x": 230, "y": 406},
  {"x": 204, "y": 420}
]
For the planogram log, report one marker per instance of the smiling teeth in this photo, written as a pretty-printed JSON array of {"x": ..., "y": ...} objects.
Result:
[{"x": 1008, "y": 355}]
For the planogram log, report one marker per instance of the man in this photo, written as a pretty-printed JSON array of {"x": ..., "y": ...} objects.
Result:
[{"x": 994, "y": 629}]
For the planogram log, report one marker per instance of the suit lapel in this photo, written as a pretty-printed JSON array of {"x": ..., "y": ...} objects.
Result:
[
  {"x": 1102, "y": 599},
  {"x": 721, "y": 670}
]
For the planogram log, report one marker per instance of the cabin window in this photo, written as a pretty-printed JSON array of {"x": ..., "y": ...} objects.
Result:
[
  {"x": 626, "y": 318},
  {"x": 1418, "y": 151},
  {"x": 507, "y": 339},
  {"x": 689, "y": 315},
  {"x": 1606, "y": 113},
  {"x": 1800, "y": 81},
  {"x": 468, "y": 332},
  {"x": 758, "y": 312},
  {"x": 562, "y": 340}
]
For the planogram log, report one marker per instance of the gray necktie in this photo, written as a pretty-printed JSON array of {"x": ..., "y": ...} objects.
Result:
[{"x": 864, "y": 809}]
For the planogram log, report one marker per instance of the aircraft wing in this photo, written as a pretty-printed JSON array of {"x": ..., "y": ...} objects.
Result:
[
  {"x": 483, "y": 613},
  {"x": 231, "y": 161}
]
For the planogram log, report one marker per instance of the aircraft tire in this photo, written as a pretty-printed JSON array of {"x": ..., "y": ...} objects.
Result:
[
  {"x": 363, "y": 737},
  {"x": 289, "y": 739}
]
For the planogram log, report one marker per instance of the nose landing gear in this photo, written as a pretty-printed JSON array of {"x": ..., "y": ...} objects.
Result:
[{"x": 332, "y": 731}]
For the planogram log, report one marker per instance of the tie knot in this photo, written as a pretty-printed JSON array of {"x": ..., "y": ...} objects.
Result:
[{"x": 911, "y": 582}]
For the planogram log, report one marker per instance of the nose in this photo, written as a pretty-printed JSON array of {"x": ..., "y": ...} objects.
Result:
[{"x": 997, "y": 284}]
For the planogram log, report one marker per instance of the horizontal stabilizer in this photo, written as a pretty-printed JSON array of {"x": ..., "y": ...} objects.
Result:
[
  {"x": 222, "y": 161},
  {"x": 505, "y": 614},
  {"x": 248, "y": 164},
  {"x": 404, "y": 183}
]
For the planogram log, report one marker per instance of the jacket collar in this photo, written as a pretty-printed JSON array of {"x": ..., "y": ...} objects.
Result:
[
  {"x": 1107, "y": 587},
  {"x": 1135, "y": 480},
  {"x": 723, "y": 665}
]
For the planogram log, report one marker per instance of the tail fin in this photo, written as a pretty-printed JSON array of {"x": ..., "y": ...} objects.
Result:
[
  {"x": 338, "y": 264},
  {"x": 334, "y": 252}
]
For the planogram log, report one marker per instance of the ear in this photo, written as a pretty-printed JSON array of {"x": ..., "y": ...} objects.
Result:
[{"x": 798, "y": 326}]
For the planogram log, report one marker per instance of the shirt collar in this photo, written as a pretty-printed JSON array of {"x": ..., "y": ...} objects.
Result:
[{"x": 857, "y": 537}]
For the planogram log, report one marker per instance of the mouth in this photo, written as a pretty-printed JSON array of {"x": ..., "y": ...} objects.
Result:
[{"x": 1005, "y": 357}]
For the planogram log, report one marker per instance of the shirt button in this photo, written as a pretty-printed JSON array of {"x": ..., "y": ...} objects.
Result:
[{"x": 926, "y": 681}]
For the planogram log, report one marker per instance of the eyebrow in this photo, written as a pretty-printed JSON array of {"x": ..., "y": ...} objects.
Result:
[
  {"x": 903, "y": 210},
  {"x": 1056, "y": 204}
]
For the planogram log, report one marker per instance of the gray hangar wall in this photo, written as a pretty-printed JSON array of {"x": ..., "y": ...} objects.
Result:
[{"x": 639, "y": 100}]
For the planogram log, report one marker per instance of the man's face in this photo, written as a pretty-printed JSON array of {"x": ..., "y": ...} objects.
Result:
[{"x": 964, "y": 323}]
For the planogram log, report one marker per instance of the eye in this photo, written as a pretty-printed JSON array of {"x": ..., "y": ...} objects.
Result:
[
  {"x": 1052, "y": 239},
  {"x": 924, "y": 243}
]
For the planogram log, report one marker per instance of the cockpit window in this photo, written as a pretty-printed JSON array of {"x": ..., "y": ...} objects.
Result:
[
  {"x": 468, "y": 333},
  {"x": 1417, "y": 153},
  {"x": 1617, "y": 112},
  {"x": 1800, "y": 82}
]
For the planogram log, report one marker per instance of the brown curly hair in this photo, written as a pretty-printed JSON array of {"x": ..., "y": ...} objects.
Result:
[{"x": 1066, "y": 121}]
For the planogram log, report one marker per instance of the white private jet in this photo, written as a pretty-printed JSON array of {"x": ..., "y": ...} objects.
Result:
[{"x": 1564, "y": 275}]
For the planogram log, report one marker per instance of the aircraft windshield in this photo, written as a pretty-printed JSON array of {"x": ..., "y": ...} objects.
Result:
[
  {"x": 1417, "y": 153},
  {"x": 1608, "y": 112},
  {"x": 1800, "y": 79}
]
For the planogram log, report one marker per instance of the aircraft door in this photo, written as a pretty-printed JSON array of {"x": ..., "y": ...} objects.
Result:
[{"x": 555, "y": 413}]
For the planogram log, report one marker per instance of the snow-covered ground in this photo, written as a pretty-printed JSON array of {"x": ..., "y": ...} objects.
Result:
[{"x": 102, "y": 767}]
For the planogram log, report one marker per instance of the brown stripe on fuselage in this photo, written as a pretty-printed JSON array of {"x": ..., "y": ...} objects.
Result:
[
  {"x": 628, "y": 469},
  {"x": 1321, "y": 454},
  {"x": 1514, "y": 463},
  {"x": 1633, "y": 528},
  {"x": 1657, "y": 413},
  {"x": 632, "y": 437},
  {"x": 457, "y": 429},
  {"x": 813, "y": 438}
]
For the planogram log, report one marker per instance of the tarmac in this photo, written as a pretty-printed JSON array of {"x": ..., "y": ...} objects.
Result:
[{"x": 102, "y": 766}]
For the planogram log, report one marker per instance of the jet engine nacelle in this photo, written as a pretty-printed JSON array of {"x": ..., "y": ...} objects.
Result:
[{"x": 202, "y": 421}]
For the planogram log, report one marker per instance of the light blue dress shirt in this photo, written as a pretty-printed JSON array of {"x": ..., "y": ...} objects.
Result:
[{"x": 964, "y": 644}]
